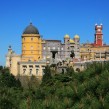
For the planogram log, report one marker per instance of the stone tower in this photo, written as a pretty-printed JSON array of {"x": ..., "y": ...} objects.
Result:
[
  {"x": 67, "y": 46},
  {"x": 77, "y": 46},
  {"x": 8, "y": 57}
]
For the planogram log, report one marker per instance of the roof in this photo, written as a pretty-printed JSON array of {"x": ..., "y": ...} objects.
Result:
[
  {"x": 72, "y": 41},
  {"x": 76, "y": 36},
  {"x": 30, "y": 29},
  {"x": 66, "y": 36},
  {"x": 54, "y": 40}
]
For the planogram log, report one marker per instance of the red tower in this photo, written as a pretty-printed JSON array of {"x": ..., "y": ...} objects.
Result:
[{"x": 98, "y": 35}]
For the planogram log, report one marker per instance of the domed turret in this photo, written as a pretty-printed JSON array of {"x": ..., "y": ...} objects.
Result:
[
  {"x": 72, "y": 41},
  {"x": 66, "y": 36},
  {"x": 76, "y": 36},
  {"x": 31, "y": 30}
]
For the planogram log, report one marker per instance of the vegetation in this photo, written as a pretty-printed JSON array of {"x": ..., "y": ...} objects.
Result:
[{"x": 83, "y": 90}]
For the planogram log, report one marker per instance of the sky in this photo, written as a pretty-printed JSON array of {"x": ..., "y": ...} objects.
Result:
[{"x": 53, "y": 18}]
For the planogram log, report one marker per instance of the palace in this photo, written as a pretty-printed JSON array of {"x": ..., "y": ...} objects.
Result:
[
  {"x": 96, "y": 50},
  {"x": 37, "y": 52}
]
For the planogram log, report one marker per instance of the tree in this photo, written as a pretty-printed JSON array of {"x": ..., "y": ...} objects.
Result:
[
  {"x": 47, "y": 74},
  {"x": 8, "y": 80},
  {"x": 70, "y": 71},
  {"x": 1, "y": 68}
]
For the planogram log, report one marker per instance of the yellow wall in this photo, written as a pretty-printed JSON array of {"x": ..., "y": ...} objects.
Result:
[
  {"x": 14, "y": 63},
  {"x": 89, "y": 52},
  {"x": 31, "y": 47}
]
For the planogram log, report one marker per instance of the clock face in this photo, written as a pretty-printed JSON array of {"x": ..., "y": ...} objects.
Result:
[{"x": 99, "y": 37}]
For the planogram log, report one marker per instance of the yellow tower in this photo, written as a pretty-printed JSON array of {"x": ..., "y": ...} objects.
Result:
[{"x": 31, "y": 44}]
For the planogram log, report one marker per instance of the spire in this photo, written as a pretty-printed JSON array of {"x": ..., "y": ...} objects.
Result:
[{"x": 30, "y": 23}]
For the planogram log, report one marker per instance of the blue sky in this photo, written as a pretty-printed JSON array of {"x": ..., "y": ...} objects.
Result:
[{"x": 53, "y": 18}]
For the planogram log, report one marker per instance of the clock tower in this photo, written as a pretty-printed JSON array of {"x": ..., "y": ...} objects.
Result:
[{"x": 98, "y": 35}]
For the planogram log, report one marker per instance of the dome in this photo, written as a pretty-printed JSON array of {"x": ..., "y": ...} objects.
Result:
[
  {"x": 72, "y": 41},
  {"x": 66, "y": 36},
  {"x": 76, "y": 37},
  {"x": 31, "y": 30}
]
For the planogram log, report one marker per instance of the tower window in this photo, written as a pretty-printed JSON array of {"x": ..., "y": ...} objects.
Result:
[
  {"x": 31, "y": 39},
  {"x": 24, "y": 39},
  {"x": 24, "y": 47},
  {"x": 31, "y": 47}
]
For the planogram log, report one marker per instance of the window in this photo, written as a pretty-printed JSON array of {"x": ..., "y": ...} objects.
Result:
[
  {"x": 48, "y": 48},
  {"x": 61, "y": 48},
  {"x": 29, "y": 60},
  {"x": 31, "y": 39},
  {"x": 31, "y": 47},
  {"x": 44, "y": 48},
  {"x": 43, "y": 71},
  {"x": 37, "y": 66},
  {"x": 43, "y": 67},
  {"x": 30, "y": 71},
  {"x": 54, "y": 48},
  {"x": 37, "y": 71},
  {"x": 24, "y": 66},
  {"x": 24, "y": 39},
  {"x": 24, "y": 47},
  {"x": 30, "y": 66},
  {"x": 24, "y": 70}
]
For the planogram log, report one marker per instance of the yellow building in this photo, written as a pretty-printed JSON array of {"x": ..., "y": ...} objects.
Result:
[
  {"x": 89, "y": 52},
  {"x": 31, "y": 44},
  {"x": 96, "y": 50},
  {"x": 29, "y": 62}
]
